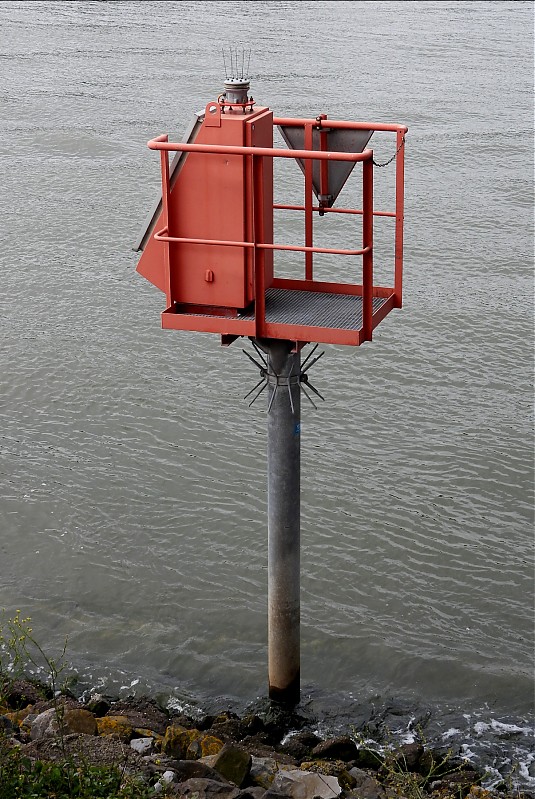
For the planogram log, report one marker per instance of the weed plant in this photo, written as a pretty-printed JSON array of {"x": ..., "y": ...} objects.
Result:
[
  {"x": 401, "y": 780},
  {"x": 22, "y": 777}
]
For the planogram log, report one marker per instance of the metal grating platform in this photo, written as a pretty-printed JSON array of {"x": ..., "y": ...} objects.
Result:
[{"x": 315, "y": 309}]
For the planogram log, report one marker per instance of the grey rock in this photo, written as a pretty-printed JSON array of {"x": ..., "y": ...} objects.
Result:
[
  {"x": 458, "y": 781},
  {"x": 22, "y": 693},
  {"x": 197, "y": 769},
  {"x": 6, "y": 725},
  {"x": 208, "y": 760},
  {"x": 234, "y": 763},
  {"x": 366, "y": 786},
  {"x": 235, "y": 729},
  {"x": 28, "y": 720},
  {"x": 342, "y": 748},
  {"x": 158, "y": 763},
  {"x": 258, "y": 746},
  {"x": 369, "y": 758},
  {"x": 45, "y": 725},
  {"x": 229, "y": 730},
  {"x": 306, "y": 785},
  {"x": 278, "y": 720},
  {"x": 78, "y": 720},
  {"x": 166, "y": 779},
  {"x": 142, "y": 745},
  {"x": 438, "y": 762},
  {"x": 98, "y": 705},
  {"x": 253, "y": 792},
  {"x": 206, "y": 789},
  {"x": 408, "y": 756},
  {"x": 263, "y": 770},
  {"x": 299, "y": 745}
]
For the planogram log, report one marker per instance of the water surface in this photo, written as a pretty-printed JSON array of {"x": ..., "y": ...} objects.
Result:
[{"x": 132, "y": 504}]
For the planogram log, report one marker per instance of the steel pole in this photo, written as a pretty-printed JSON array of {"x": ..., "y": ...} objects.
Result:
[{"x": 284, "y": 488}]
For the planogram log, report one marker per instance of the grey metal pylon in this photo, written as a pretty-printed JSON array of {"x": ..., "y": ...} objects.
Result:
[{"x": 284, "y": 377}]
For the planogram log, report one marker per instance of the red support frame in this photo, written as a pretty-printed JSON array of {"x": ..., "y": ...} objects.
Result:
[
  {"x": 166, "y": 191},
  {"x": 367, "y": 256},
  {"x": 400, "y": 215},
  {"x": 309, "y": 221},
  {"x": 257, "y": 325}
]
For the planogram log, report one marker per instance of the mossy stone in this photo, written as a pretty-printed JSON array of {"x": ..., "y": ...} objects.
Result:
[
  {"x": 177, "y": 740},
  {"x": 118, "y": 726},
  {"x": 204, "y": 746},
  {"x": 233, "y": 763},
  {"x": 18, "y": 716},
  {"x": 80, "y": 721}
]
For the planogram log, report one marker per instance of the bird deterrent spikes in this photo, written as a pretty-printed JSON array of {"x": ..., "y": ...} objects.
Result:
[
  {"x": 267, "y": 375},
  {"x": 236, "y": 69}
]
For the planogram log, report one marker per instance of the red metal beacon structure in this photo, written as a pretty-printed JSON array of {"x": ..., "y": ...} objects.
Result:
[{"x": 209, "y": 247}]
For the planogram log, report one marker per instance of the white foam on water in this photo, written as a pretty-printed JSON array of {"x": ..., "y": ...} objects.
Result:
[
  {"x": 467, "y": 753},
  {"x": 501, "y": 727},
  {"x": 523, "y": 770},
  {"x": 493, "y": 777},
  {"x": 288, "y": 736},
  {"x": 450, "y": 733},
  {"x": 480, "y": 727},
  {"x": 174, "y": 703}
]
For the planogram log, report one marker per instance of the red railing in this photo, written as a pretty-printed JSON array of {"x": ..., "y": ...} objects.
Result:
[
  {"x": 254, "y": 156},
  {"x": 323, "y": 122}
]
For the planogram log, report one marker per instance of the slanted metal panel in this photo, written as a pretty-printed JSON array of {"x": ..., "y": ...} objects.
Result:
[
  {"x": 339, "y": 140},
  {"x": 174, "y": 169}
]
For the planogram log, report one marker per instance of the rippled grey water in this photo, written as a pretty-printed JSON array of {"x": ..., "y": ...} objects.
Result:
[{"x": 132, "y": 504}]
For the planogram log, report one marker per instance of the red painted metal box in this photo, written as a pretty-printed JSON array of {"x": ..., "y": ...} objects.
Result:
[{"x": 211, "y": 200}]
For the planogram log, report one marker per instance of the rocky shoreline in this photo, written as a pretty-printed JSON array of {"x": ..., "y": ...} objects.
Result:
[{"x": 265, "y": 755}]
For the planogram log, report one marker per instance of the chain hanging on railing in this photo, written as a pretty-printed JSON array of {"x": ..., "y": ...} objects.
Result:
[
  {"x": 267, "y": 375},
  {"x": 375, "y": 163}
]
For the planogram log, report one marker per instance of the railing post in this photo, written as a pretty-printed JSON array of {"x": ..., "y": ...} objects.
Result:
[
  {"x": 324, "y": 165},
  {"x": 309, "y": 222},
  {"x": 259, "y": 239},
  {"x": 400, "y": 202},
  {"x": 164, "y": 160},
  {"x": 367, "y": 245}
]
